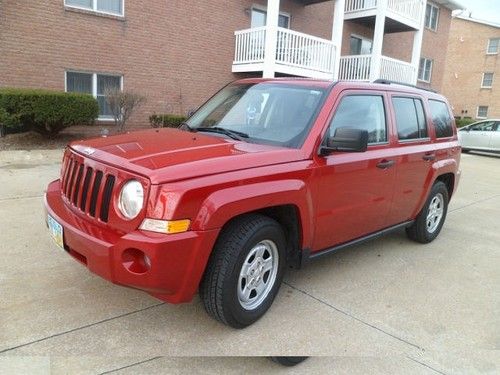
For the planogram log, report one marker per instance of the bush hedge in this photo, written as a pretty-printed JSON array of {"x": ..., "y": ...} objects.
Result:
[
  {"x": 166, "y": 120},
  {"x": 46, "y": 112},
  {"x": 461, "y": 122}
]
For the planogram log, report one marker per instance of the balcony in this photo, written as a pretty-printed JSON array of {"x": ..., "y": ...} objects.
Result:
[
  {"x": 402, "y": 15},
  {"x": 364, "y": 68},
  {"x": 296, "y": 53}
]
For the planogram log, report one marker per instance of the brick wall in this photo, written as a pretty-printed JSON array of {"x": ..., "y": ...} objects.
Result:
[
  {"x": 176, "y": 52},
  {"x": 466, "y": 62}
]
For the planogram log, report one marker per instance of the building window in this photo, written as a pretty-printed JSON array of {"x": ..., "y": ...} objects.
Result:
[
  {"x": 431, "y": 17},
  {"x": 487, "y": 81},
  {"x": 482, "y": 111},
  {"x": 493, "y": 44},
  {"x": 360, "y": 45},
  {"x": 425, "y": 70},
  {"x": 259, "y": 18},
  {"x": 95, "y": 85},
  {"x": 103, "y": 6},
  {"x": 410, "y": 118}
]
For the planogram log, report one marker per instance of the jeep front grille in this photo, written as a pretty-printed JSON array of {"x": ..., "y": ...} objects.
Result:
[{"x": 87, "y": 189}]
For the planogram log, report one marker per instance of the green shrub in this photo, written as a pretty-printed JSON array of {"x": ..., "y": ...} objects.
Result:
[
  {"x": 47, "y": 112},
  {"x": 166, "y": 121},
  {"x": 461, "y": 122}
]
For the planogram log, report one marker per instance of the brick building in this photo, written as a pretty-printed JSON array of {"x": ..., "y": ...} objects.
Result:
[
  {"x": 176, "y": 53},
  {"x": 473, "y": 69}
]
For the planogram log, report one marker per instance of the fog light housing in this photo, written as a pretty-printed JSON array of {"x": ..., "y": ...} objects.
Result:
[
  {"x": 136, "y": 261},
  {"x": 165, "y": 226}
]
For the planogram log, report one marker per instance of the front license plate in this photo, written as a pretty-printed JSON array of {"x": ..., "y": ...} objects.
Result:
[{"x": 56, "y": 231}]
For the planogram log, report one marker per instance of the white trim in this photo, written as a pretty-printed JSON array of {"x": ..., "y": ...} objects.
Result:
[
  {"x": 482, "y": 80},
  {"x": 95, "y": 10},
  {"x": 487, "y": 23},
  {"x": 488, "y": 46},
  {"x": 430, "y": 19},
  {"x": 477, "y": 112}
]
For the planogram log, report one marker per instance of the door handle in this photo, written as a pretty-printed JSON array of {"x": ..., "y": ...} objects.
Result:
[
  {"x": 384, "y": 164},
  {"x": 429, "y": 157}
]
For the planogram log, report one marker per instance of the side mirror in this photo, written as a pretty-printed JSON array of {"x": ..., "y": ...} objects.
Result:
[{"x": 346, "y": 140}]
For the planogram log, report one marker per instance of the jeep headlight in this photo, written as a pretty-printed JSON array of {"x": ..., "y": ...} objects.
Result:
[{"x": 131, "y": 199}]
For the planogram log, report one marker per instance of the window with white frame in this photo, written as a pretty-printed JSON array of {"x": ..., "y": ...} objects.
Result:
[
  {"x": 493, "y": 44},
  {"x": 96, "y": 85},
  {"x": 425, "y": 70},
  {"x": 431, "y": 16},
  {"x": 482, "y": 111},
  {"x": 259, "y": 18},
  {"x": 103, "y": 6},
  {"x": 487, "y": 80}
]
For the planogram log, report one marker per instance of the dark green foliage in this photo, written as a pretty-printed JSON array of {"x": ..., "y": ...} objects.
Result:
[
  {"x": 166, "y": 121},
  {"x": 464, "y": 122},
  {"x": 46, "y": 112}
]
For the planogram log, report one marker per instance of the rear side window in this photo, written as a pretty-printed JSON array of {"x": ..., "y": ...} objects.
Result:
[
  {"x": 410, "y": 118},
  {"x": 441, "y": 118},
  {"x": 365, "y": 112}
]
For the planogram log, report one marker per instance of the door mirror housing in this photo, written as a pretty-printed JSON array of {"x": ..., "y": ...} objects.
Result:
[{"x": 346, "y": 140}]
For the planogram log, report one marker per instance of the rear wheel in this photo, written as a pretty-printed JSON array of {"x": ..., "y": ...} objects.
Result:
[
  {"x": 429, "y": 222},
  {"x": 244, "y": 271}
]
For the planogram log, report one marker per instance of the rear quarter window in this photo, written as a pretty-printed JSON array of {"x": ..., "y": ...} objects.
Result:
[{"x": 441, "y": 119}]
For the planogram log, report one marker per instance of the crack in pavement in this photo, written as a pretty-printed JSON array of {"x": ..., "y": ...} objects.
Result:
[
  {"x": 131, "y": 365},
  {"x": 354, "y": 317},
  {"x": 425, "y": 365},
  {"x": 80, "y": 328},
  {"x": 473, "y": 203},
  {"x": 20, "y": 198}
]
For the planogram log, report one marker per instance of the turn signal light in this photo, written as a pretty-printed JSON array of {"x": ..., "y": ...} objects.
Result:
[{"x": 165, "y": 226}]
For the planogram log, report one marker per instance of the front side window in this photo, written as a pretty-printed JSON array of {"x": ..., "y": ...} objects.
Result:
[
  {"x": 95, "y": 85},
  {"x": 486, "y": 126},
  {"x": 365, "y": 112},
  {"x": 487, "y": 80},
  {"x": 482, "y": 111},
  {"x": 268, "y": 113},
  {"x": 493, "y": 44},
  {"x": 431, "y": 17},
  {"x": 425, "y": 70},
  {"x": 441, "y": 119},
  {"x": 105, "y": 6},
  {"x": 410, "y": 118}
]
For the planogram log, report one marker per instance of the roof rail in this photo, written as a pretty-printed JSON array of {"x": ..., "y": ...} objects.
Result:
[{"x": 389, "y": 82}]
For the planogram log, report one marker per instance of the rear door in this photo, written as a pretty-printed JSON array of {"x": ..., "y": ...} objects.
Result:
[
  {"x": 478, "y": 136},
  {"x": 415, "y": 154},
  {"x": 495, "y": 137},
  {"x": 355, "y": 188}
]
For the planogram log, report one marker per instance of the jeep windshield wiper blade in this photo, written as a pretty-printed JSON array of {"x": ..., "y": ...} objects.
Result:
[
  {"x": 230, "y": 133},
  {"x": 185, "y": 126}
]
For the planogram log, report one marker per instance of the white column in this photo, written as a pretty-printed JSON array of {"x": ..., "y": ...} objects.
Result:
[
  {"x": 417, "y": 43},
  {"x": 337, "y": 31},
  {"x": 378, "y": 40},
  {"x": 273, "y": 12}
]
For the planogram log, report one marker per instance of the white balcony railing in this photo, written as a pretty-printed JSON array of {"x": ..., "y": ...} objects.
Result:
[
  {"x": 304, "y": 51},
  {"x": 296, "y": 53},
  {"x": 408, "y": 9},
  {"x": 360, "y": 68},
  {"x": 397, "y": 70}
]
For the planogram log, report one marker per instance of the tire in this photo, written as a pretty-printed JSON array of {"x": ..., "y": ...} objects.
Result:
[
  {"x": 288, "y": 361},
  {"x": 258, "y": 243},
  {"x": 428, "y": 224}
]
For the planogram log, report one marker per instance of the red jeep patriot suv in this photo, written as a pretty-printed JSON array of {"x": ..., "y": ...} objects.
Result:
[{"x": 269, "y": 173}]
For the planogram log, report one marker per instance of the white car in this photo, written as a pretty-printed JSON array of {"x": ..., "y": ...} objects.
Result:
[{"x": 480, "y": 136}]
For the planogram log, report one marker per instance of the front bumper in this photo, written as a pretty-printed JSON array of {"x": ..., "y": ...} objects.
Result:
[{"x": 177, "y": 261}]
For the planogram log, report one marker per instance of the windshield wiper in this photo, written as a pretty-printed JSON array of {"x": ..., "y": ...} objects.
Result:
[
  {"x": 230, "y": 133},
  {"x": 185, "y": 126}
]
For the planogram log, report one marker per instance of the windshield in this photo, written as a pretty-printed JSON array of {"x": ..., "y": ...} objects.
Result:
[{"x": 268, "y": 113}]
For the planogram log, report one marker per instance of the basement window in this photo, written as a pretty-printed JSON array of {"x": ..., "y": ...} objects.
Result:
[{"x": 113, "y": 7}]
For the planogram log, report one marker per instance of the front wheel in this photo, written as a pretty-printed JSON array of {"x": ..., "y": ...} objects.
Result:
[
  {"x": 429, "y": 222},
  {"x": 245, "y": 270}
]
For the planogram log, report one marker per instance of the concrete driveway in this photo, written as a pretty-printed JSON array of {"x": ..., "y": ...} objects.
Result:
[{"x": 388, "y": 306}]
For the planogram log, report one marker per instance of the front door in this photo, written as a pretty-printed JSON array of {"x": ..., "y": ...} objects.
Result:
[
  {"x": 355, "y": 189},
  {"x": 495, "y": 137},
  {"x": 478, "y": 136}
]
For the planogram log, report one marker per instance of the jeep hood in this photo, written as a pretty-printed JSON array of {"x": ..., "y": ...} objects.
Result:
[{"x": 166, "y": 155}]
